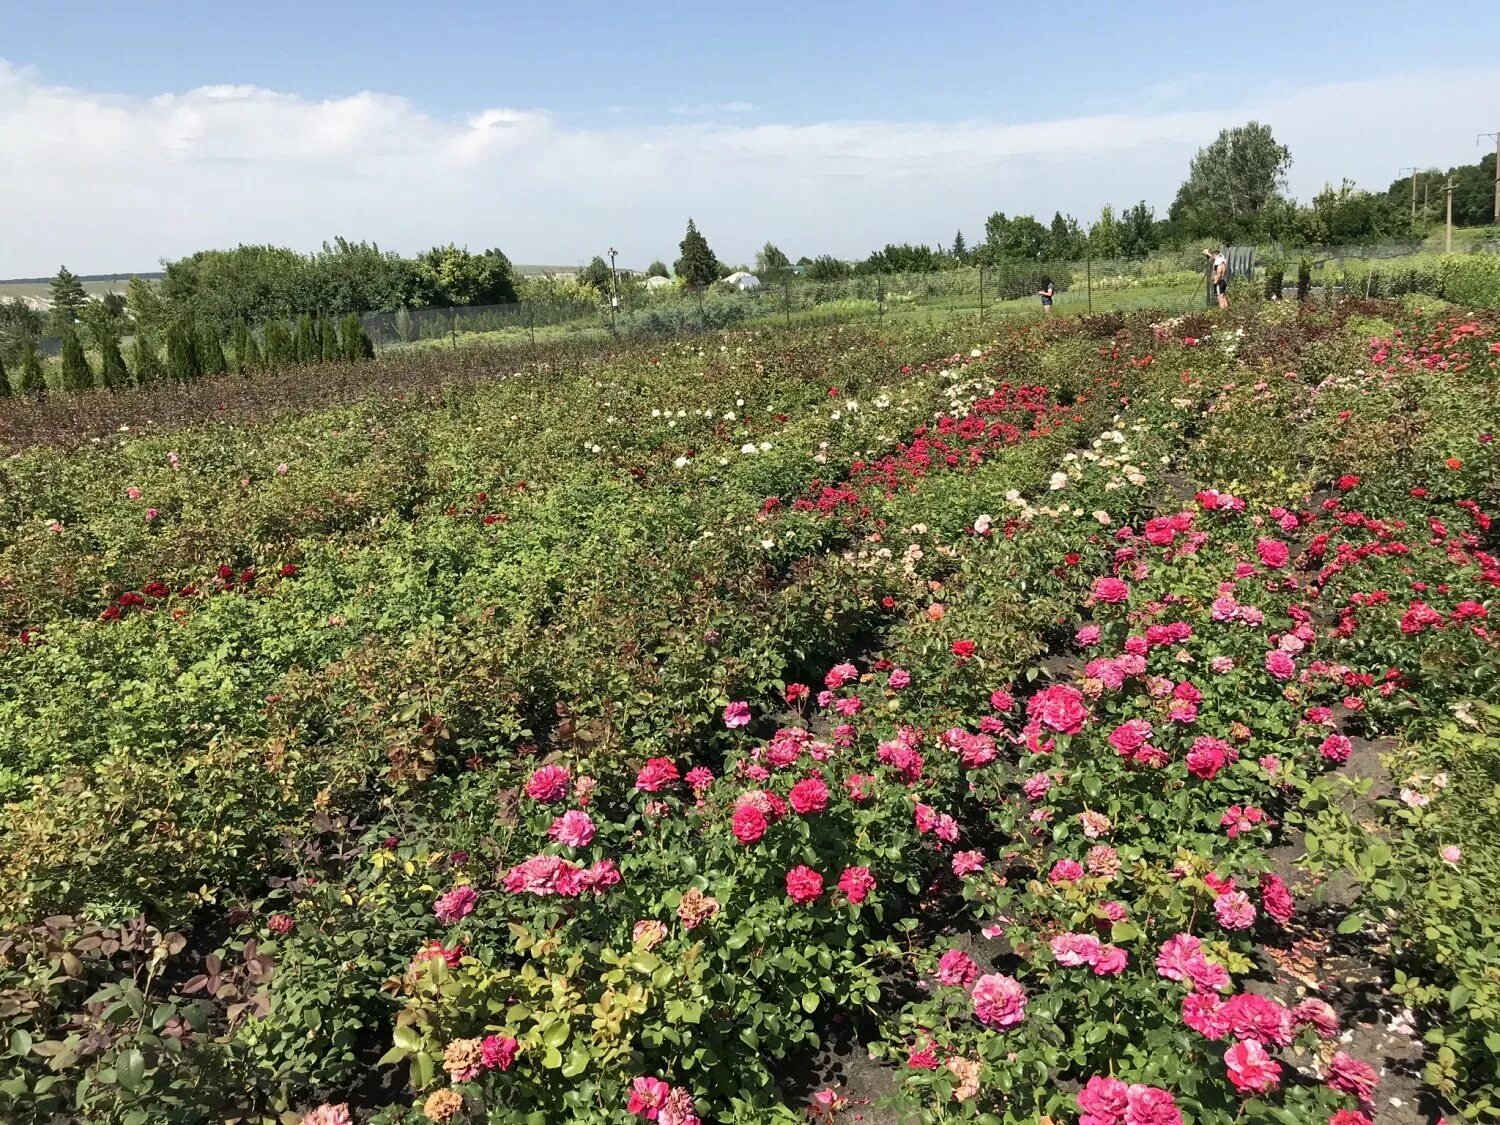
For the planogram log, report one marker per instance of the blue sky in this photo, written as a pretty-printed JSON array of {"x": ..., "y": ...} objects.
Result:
[{"x": 551, "y": 130}]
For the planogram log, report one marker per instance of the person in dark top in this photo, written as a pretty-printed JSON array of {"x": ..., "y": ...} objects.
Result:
[
  {"x": 1045, "y": 293},
  {"x": 1220, "y": 276}
]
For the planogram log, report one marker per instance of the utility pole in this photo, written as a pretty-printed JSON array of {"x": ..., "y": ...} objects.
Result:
[
  {"x": 614, "y": 300},
  {"x": 1413, "y": 172},
  {"x": 1448, "y": 248},
  {"x": 1497, "y": 169}
]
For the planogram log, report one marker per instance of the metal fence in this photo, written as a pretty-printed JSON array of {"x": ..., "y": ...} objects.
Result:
[{"x": 1172, "y": 282}]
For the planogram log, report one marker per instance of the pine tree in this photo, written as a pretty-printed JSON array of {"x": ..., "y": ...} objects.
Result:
[
  {"x": 960, "y": 249},
  {"x": 182, "y": 353},
  {"x": 307, "y": 349},
  {"x": 33, "y": 380},
  {"x": 332, "y": 352},
  {"x": 279, "y": 350},
  {"x": 211, "y": 359},
  {"x": 77, "y": 375},
  {"x": 5, "y": 388},
  {"x": 112, "y": 371},
  {"x": 357, "y": 346},
  {"x": 697, "y": 266},
  {"x": 146, "y": 364},
  {"x": 67, "y": 298}
]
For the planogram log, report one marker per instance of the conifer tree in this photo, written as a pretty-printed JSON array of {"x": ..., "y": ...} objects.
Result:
[
  {"x": 697, "y": 266},
  {"x": 182, "y": 353},
  {"x": 331, "y": 351},
  {"x": 112, "y": 371},
  {"x": 246, "y": 354},
  {"x": 211, "y": 359},
  {"x": 307, "y": 349},
  {"x": 146, "y": 364},
  {"x": 356, "y": 341},
  {"x": 77, "y": 375},
  {"x": 33, "y": 380},
  {"x": 67, "y": 298},
  {"x": 279, "y": 349}
]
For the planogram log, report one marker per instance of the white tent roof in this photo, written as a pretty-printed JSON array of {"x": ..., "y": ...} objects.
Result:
[{"x": 742, "y": 280}]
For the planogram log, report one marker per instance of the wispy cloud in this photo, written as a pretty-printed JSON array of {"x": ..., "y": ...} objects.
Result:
[
  {"x": 709, "y": 109},
  {"x": 105, "y": 182}
]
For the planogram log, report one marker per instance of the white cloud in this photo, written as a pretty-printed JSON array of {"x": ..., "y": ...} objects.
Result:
[
  {"x": 709, "y": 109},
  {"x": 104, "y": 182}
]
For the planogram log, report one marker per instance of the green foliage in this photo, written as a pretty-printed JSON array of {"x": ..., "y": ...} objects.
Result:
[
  {"x": 18, "y": 321},
  {"x": 6, "y": 390},
  {"x": 306, "y": 349},
  {"x": 279, "y": 345},
  {"x": 826, "y": 267},
  {"x": 597, "y": 274},
  {"x": 1234, "y": 185},
  {"x": 183, "y": 362},
  {"x": 697, "y": 266},
  {"x": 1065, "y": 241},
  {"x": 144, "y": 303},
  {"x": 68, "y": 298},
  {"x": 903, "y": 258},
  {"x": 1138, "y": 231},
  {"x": 356, "y": 341},
  {"x": 247, "y": 357},
  {"x": 658, "y": 268},
  {"x": 32, "y": 380},
  {"x": 76, "y": 374},
  {"x": 145, "y": 366},
  {"x": 770, "y": 263},
  {"x": 328, "y": 338},
  {"x": 1105, "y": 239},
  {"x": 112, "y": 370},
  {"x": 450, "y": 276},
  {"x": 210, "y": 352}
]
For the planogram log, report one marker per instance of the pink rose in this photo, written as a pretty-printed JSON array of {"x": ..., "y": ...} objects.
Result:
[
  {"x": 1234, "y": 911},
  {"x": 856, "y": 883},
  {"x": 803, "y": 884},
  {"x": 1280, "y": 665},
  {"x": 573, "y": 828},
  {"x": 1251, "y": 1070},
  {"x": 548, "y": 784},
  {"x": 1059, "y": 707},
  {"x": 1273, "y": 553},
  {"x": 737, "y": 714},
  {"x": 1148, "y": 1105},
  {"x": 1111, "y": 591},
  {"x": 1102, "y": 1101},
  {"x": 999, "y": 1000}
]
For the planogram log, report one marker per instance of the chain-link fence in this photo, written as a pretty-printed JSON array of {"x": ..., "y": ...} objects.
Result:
[{"x": 1173, "y": 282}]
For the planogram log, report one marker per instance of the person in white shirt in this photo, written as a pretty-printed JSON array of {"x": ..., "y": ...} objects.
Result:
[{"x": 1220, "y": 276}]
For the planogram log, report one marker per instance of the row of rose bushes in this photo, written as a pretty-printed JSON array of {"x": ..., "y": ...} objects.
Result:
[{"x": 659, "y": 933}]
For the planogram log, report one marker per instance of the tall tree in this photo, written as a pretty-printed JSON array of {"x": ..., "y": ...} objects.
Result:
[
  {"x": 112, "y": 370},
  {"x": 770, "y": 262},
  {"x": 697, "y": 266},
  {"x": 211, "y": 359},
  {"x": 825, "y": 267},
  {"x": 452, "y": 276},
  {"x": 68, "y": 298},
  {"x": 1064, "y": 239},
  {"x": 356, "y": 341},
  {"x": 1231, "y": 183},
  {"x": 657, "y": 268},
  {"x": 307, "y": 350},
  {"x": 1138, "y": 231},
  {"x": 279, "y": 347},
  {"x": 960, "y": 249},
  {"x": 182, "y": 352},
  {"x": 77, "y": 375},
  {"x": 246, "y": 354},
  {"x": 1104, "y": 236},
  {"x": 328, "y": 337},
  {"x": 145, "y": 363},
  {"x": 145, "y": 305},
  {"x": 597, "y": 274}
]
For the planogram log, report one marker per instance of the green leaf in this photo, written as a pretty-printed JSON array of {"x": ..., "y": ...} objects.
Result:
[
  {"x": 130, "y": 1068},
  {"x": 556, "y": 1035},
  {"x": 20, "y": 1042},
  {"x": 809, "y": 1001},
  {"x": 1352, "y": 924}
]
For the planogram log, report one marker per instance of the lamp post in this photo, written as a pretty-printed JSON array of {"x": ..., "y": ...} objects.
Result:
[{"x": 614, "y": 300}]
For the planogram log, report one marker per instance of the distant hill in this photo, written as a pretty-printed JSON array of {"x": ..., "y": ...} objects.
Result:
[{"x": 145, "y": 275}]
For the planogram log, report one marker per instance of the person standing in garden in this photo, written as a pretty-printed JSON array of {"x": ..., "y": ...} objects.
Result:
[
  {"x": 1220, "y": 276},
  {"x": 1046, "y": 293}
]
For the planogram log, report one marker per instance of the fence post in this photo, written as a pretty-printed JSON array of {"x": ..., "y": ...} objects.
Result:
[
  {"x": 453, "y": 327},
  {"x": 786, "y": 299},
  {"x": 531, "y": 320},
  {"x": 880, "y": 299},
  {"x": 981, "y": 290},
  {"x": 1088, "y": 266}
]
